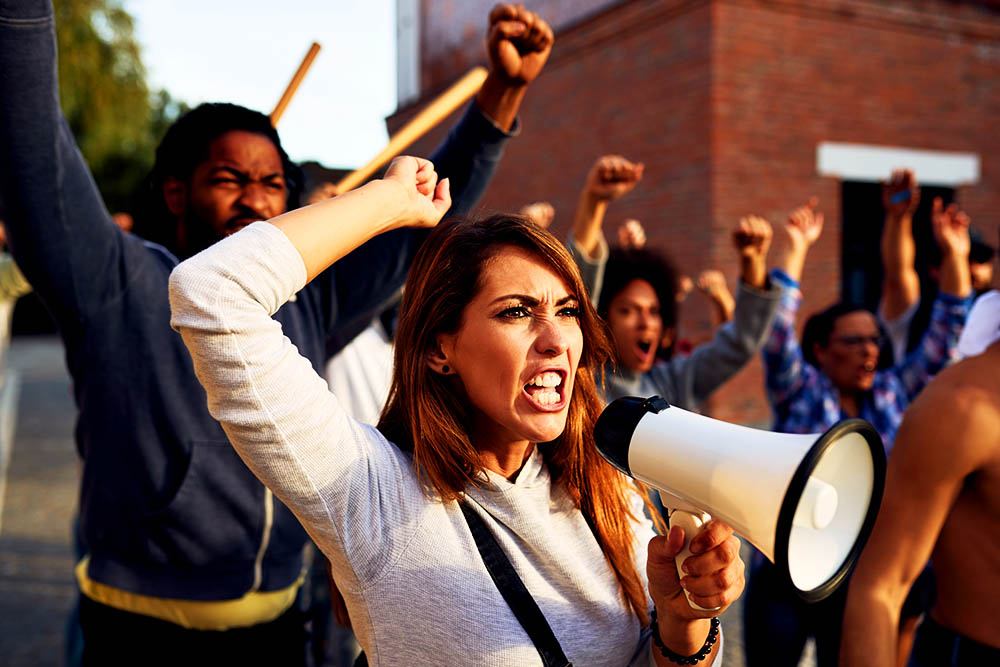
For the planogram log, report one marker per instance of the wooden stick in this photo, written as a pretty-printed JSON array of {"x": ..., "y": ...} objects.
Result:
[
  {"x": 439, "y": 109},
  {"x": 293, "y": 85}
]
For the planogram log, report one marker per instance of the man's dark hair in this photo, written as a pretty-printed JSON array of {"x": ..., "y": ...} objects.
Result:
[
  {"x": 653, "y": 266},
  {"x": 184, "y": 146},
  {"x": 820, "y": 325}
]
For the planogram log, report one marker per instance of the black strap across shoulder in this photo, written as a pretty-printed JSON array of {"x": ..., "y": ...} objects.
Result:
[{"x": 514, "y": 591}]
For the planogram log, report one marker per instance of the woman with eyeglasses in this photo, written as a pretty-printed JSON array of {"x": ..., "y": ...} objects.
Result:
[{"x": 833, "y": 375}]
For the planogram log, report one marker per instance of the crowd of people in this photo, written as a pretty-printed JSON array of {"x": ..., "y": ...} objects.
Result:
[{"x": 252, "y": 377}]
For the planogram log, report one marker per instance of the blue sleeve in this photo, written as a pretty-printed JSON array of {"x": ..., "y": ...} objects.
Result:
[
  {"x": 60, "y": 232},
  {"x": 785, "y": 369},
  {"x": 369, "y": 278},
  {"x": 938, "y": 346}
]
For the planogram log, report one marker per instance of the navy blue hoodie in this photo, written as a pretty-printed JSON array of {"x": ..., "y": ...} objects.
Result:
[{"x": 167, "y": 508}]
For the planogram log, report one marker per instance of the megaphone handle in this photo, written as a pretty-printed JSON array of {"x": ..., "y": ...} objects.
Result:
[{"x": 692, "y": 524}]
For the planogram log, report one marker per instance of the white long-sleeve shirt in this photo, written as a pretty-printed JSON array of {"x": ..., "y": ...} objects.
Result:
[{"x": 415, "y": 585}]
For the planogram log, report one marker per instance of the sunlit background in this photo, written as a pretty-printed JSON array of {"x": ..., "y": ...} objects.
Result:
[{"x": 246, "y": 51}]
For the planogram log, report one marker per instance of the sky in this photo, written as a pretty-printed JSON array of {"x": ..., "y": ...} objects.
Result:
[{"x": 246, "y": 51}]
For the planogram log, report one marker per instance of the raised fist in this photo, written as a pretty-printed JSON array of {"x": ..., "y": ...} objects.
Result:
[
  {"x": 900, "y": 194},
  {"x": 752, "y": 237},
  {"x": 518, "y": 43},
  {"x": 427, "y": 199},
  {"x": 541, "y": 213},
  {"x": 631, "y": 234},
  {"x": 951, "y": 228},
  {"x": 613, "y": 176}
]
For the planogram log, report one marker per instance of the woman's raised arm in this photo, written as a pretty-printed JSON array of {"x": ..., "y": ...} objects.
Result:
[
  {"x": 342, "y": 479},
  {"x": 408, "y": 196}
]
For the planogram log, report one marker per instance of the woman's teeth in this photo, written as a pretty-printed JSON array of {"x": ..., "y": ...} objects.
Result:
[
  {"x": 546, "y": 397},
  {"x": 549, "y": 379},
  {"x": 542, "y": 388}
]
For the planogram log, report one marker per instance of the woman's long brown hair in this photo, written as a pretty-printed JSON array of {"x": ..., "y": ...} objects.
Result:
[{"x": 426, "y": 415}]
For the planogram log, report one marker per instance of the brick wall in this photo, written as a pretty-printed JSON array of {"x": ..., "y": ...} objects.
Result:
[
  {"x": 726, "y": 100},
  {"x": 452, "y": 32}
]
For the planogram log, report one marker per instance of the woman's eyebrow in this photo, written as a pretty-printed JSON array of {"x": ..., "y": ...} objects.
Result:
[{"x": 532, "y": 301}]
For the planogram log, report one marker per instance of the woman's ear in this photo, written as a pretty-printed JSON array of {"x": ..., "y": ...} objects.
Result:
[
  {"x": 437, "y": 359},
  {"x": 819, "y": 353}
]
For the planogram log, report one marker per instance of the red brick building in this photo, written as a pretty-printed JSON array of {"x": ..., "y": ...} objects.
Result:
[{"x": 745, "y": 106}]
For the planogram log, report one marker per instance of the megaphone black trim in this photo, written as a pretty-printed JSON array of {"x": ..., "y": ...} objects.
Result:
[
  {"x": 614, "y": 428},
  {"x": 797, "y": 486}
]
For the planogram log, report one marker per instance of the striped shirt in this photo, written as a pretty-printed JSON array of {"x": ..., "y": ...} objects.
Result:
[{"x": 805, "y": 400}]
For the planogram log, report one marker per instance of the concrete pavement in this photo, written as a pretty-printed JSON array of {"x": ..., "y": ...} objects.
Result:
[{"x": 36, "y": 555}]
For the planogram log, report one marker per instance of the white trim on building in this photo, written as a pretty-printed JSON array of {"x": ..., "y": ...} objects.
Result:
[{"x": 867, "y": 162}]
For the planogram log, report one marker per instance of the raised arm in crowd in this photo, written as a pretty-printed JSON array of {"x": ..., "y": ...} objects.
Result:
[{"x": 183, "y": 543}]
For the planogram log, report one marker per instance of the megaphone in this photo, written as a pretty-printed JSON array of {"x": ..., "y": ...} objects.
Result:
[{"x": 807, "y": 502}]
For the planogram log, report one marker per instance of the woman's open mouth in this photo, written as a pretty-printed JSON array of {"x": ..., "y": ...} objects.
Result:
[
  {"x": 645, "y": 350},
  {"x": 545, "y": 390}
]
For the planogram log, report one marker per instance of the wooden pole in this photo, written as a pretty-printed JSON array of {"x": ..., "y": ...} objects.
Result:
[
  {"x": 440, "y": 108},
  {"x": 293, "y": 85}
]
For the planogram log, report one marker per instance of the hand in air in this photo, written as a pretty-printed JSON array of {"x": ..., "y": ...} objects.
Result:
[
  {"x": 714, "y": 575},
  {"x": 951, "y": 228},
  {"x": 713, "y": 283},
  {"x": 900, "y": 194},
  {"x": 804, "y": 225},
  {"x": 613, "y": 176},
  {"x": 542, "y": 213},
  {"x": 752, "y": 237},
  {"x": 631, "y": 234},
  {"x": 684, "y": 287},
  {"x": 518, "y": 43},
  {"x": 427, "y": 199}
]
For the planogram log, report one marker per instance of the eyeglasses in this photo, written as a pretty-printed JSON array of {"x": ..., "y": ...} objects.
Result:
[{"x": 859, "y": 341}]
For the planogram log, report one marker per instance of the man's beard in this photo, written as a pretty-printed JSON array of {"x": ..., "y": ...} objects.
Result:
[{"x": 196, "y": 235}]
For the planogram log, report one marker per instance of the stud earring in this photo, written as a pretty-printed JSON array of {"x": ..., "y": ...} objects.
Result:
[{"x": 445, "y": 369}]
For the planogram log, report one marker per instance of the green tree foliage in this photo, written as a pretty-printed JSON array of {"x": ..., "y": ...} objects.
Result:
[{"x": 115, "y": 118}]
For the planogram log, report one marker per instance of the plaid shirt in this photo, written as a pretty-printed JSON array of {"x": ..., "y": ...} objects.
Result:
[{"x": 803, "y": 397}]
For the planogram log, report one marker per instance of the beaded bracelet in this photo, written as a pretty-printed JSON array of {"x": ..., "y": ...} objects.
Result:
[{"x": 713, "y": 636}]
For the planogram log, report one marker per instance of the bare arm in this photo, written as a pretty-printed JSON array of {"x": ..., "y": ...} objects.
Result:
[
  {"x": 611, "y": 177},
  {"x": 923, "y": 480},
  {"x": 518, "y": 43},
  {"x": 752, "y": 238},
  {"x": 901, "y": 285}
]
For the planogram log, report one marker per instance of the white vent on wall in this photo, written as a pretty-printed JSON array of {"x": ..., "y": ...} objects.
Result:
[{"x": 867, "y": 162}]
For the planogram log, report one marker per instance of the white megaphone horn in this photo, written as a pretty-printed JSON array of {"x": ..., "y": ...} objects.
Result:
[{"x": 808, "y": 502}]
